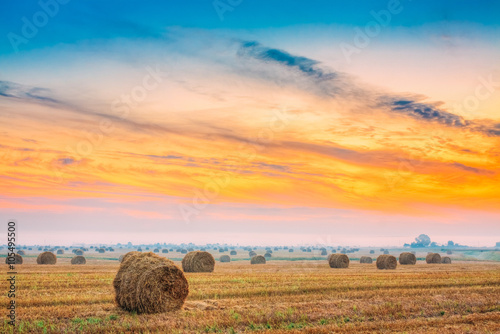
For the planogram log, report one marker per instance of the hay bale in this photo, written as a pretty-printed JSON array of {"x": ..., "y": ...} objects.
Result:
[
  {"x": 387, "y": 262},
  {"x": 386, "y": 252},
  {"x": 233, "y": 252},
  {"x": 290, "y": 250},
  {"x": 324, "y": 252},
  {"x": 252, "y": 254},
  {"x": 198, "y": 262},
  {"x": 21, "y": 252},
  {"x": 338, "y": 261},
  {"x": 407, "y": 258},
  {"x": 225, "y": 258},
  {"x": 221, "y": 250},
  {"x": 433, "y": 258},
  {"x": 78, "y": 252},
  {"x": 60, "y": 251},
  {"x": 372, "y": 252},
  {"x": 139, "y": 249},
  {"x": 101, "y": 250},
  {"x": 156, "y": 250},
  {"x": 258, "y": 259},
  {"x": 164, "y": 251},
  {"x": 449, "y": 252},
  {"x": 46, "y": 258},
  {"x": 446, "y": 260},
  {"x": 148, "y": 283},
  {"x": 16, "y": 259},
  {"x": 268, "y": 255},
  {"x": 184, "y": 251},
  {"x": 78, "y": 260},
  {"x": 365, "y": 259}
]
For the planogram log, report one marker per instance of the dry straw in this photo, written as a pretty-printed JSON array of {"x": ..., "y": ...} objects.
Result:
[
  {"x": 198, "y": 262},
  {"x": 365, "y": 259},
  {"x": 407, "y": 258},
  {"x": 338, "y": 261},
  {"x": 387, "y": 262},
  {"x": 258, "y": 259},
  {"x": 46, "y": 258},
  {"x": 78, "y": 260},
  {"x": 433, "y": 258},
  {"x": 148, "y": 283}
]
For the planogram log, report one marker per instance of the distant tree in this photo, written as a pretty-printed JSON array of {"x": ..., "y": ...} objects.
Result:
[
  {"x": 406, "y": 245},
  {"x": 451, "y": 243},
  {"x": 434, "y": 244},
  {"x": 422, "y": 240}
]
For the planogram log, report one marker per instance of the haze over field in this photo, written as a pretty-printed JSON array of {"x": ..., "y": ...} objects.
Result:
[{"x": 357, "y": 124}]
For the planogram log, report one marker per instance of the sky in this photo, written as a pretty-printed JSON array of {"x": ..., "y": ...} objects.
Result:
[{"x": 250, "y": 122}]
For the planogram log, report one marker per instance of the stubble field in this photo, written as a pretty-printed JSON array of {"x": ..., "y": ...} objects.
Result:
[{"x": 278, "y": 297}]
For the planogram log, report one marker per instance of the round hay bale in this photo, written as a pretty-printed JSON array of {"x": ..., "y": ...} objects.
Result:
[
  {"x": 78, "y": 260},
  {"x": 78, "y": 252},
  {"x": 387, "y": 262},
  {"x": 252, "y": 254},
  {"x": 449, "y": 252},
  {"x": 101, "y": 250},
  {"x": 46, "y": 258},
  {"x": 198, "y": 262},
  {"x": 365, "y": 259},
  {"x": 40, "y": 248},
  {"x": 139, "y": 249},
  {"x": 386, "y": 252},
  {"x": 21, "y": 252},
  {"x": 148, "y": 283},
  {"x": 446, "y": 260},
  {"x": 268, "y": 255},
  {"x": 324, "y": 252},
  {"x": 16, "y": 259},
  {"x": 225, "y": 258},
  {"x": 156, "y": 250},
  {"x": 221, "y": 250},
  {"x": 60, "y": 251},
  {"x": 184, "y": 251},
  {"x": 233, "y": 252},
  {"x": 338, "y": 261},
  {"x": 407, "y": 258},
  {"x": 372, "y": 252},
  {"x": 433, "y": 258},
  {"x": 164, "y": 251},
  {"x": 290, "y": 250},
  {"x": 258, "y": 259}
]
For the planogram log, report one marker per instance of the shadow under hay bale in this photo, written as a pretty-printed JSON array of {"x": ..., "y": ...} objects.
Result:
[
  {"x": 148, "y": 283},
  {"x": 225, "y": 258},
  {"x": 258, "y": 259},
  {"x": 446, "y": 260},
  {"x": 16, "y": 259},
  {"x": 78, "y": 260},
  {"x": 433, "y": 258},
  {"x": 366, "y": 259},
  {"x": 407, "y": 258},
  {"x": 338, "y": 261},
  {"x": 46, "y": 258},
  {"x": 198, "y": 262},
  {"x": 387, "y": 262}
]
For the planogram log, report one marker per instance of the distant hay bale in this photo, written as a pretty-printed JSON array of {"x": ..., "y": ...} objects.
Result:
[
  {"x": 127, "y": 255},
  {"x": 387, "y": 262},
  {"x": 184, "y": 251},
  {"x": 433, "y": 258},
  {"x": 40, "y": 248},
  {"x": 252, "y": 254},
  {"x": 156, "y": 250},
  {"x": 233, "y": 252},
  {"x": 324, "y": 252},
  {"x": 386, "y": 252},
  {"x": 381, "y": 249},
  {"x": 290, "y": 250},
  {"x": 78, "y": 252},
  {"x": 225, "y": 258},
  {"x": 372, "y": 252},
  {"x": 164, "y": 251},
  {"x": 267, "y": 255},
  {"x": 449, "y": 252},
  {"x": 78, "y": 260},
  {"x": 407, "y": 258},
  {"x": 221, "y": 250},
  {"x": 60, "y": 251},
  {"x": 111, "y": 249},
  {"x": 139, "y": 249},
  {"x": 198, "y": 262},
  {"x": 21, "y": 252},
  {"x": 334, "y": 251},
  {"x": 258, "y": 259},
  {"x": 365, "y": 259},
  {"x": 101, "y": 250},
  {"x": 338, "y": 261},
  {"x": 16, "y": 259},
  {"x": 148, "y": 283},
  {"x": 446, "y": 260},
  {"x": 46, "y": 258}
]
